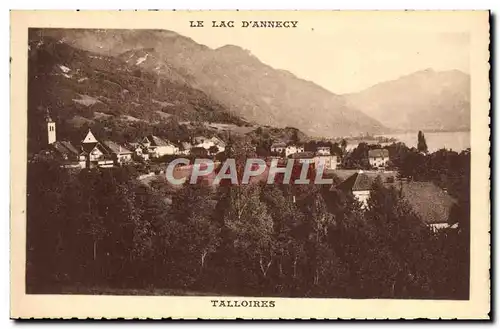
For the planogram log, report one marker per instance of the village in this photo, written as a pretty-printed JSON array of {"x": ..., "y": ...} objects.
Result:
[
  {"x": 94, "y": 153},
  {"x": 158, "y": 151}
]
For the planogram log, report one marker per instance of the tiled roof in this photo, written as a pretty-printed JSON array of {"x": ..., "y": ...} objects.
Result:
[
  {"x": 218, "y": 141},
  {"x": 378, "y": 153},
  {"x": 70, "y": 147},
  {"x": 116, "y": 148},
  {"x": 65, "y": 148},
  {"x": 278, "y": 144},
  {"x": 303, "y": 155},
  {"x": 357, "y": 182},
  {"x": 157, "y": 141}
]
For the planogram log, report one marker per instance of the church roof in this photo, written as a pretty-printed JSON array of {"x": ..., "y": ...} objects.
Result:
[
  {"x": 90, "y": 138},
  {"x": 89, "y": 147}
]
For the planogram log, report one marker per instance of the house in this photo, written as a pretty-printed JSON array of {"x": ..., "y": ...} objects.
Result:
[
  {"x": 158, "y": 147},
  {"x": 304, "y": 157},
  {"x": 359, "y": 184},
  {"x": 220, "y": 144},
  {"x": 119, "y": 153},
  {"x": 292, "y": 149},
  {"x": 330, "y": 161},
  {"x": 278, "y": 147},
  {"x": 66, "y": 153},
  {"x": 323, "y": 150},
  {"x": 430, "y": 202},
  {"x": 435, "y": 227},
  {"x": 202, "y": 141},
  {"x": 139, "y": 151},
  {"x": 185, "y": 148},
  {"x": 378, "y": 158},
  {"x": 209, "y": 144},
  {"x": 94, "y": 154}
]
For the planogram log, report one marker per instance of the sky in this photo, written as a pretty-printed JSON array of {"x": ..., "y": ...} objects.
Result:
[{"x": 348, "y": 53}]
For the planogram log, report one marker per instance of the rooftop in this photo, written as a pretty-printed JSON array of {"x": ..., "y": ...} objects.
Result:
[
  {"x": 357, "y": 182},
  {"x": 116, "y": 148},
  {"x": 378, "y": 153}
]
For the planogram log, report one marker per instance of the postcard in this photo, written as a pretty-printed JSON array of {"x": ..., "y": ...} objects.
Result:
[{"x": 250, "y": 164}]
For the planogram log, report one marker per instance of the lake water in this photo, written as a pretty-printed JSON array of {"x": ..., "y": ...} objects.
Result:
[{"x": 457, "y": 141}]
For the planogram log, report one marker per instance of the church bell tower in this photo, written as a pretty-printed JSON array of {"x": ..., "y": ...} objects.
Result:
[{"x": 51, "y": 129}]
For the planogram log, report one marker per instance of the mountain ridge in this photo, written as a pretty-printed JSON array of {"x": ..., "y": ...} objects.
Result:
[
  {"x": 426, "y": 100},
  {"x": 234, "y": 77}
]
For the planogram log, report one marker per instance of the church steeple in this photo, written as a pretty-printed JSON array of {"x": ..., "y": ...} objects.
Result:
[
  {"x": 51, "y": 129},
  {"x": 89, "y": 138}
]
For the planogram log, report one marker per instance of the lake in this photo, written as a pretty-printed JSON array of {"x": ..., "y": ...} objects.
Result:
[{"x": 457, "y": 141}]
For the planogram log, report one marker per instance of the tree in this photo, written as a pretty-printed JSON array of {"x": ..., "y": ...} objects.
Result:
[
  {"x": 284, "y": 215},
  {"x": 343, "y": 146},
  {"x": 250, "y": 225},
  {"x": 193, "y": 208},
  {"x": 213, "y": 150},
  {"x": 421, "y": 143}
]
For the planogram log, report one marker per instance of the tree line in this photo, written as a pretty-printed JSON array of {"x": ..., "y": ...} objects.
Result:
[{"x": 103, "y": 228}]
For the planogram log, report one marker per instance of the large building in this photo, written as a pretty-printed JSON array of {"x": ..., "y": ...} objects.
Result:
[{"x": 378, "y": 158}]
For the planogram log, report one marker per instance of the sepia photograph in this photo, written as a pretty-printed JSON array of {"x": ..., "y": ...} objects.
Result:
[{"x": 319, "y": 163}]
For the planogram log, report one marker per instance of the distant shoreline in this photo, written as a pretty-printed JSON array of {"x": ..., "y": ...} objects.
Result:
[{"x": 426, "y": 131}]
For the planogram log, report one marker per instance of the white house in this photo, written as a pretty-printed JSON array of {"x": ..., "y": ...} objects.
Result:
[
  {"x": 359, "y": 184},
  {"x": 158, "y": 147},
  {"x": 207, "y": 143},
  {"x": 219, "y": 143},
  {"x": 139, "y": 151},
  {"x": 292, "y": 149},
  {"x": 202, "y": 141},
  {"x": 330, "y": 161},
  {"x": 304, "y": 157},
  {"x": 120, "y": 154},
  {"x": 323, "y": 150},
  {"x": 441, "y": 225},
  {"x": 278, "y": 147},
  {"x": 378, "y": 158},
  {"x": 185, "y": 148}
]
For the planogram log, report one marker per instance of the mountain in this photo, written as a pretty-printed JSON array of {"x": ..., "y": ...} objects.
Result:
[
  {"x": 231, "y": 76},
  {"x": 424, "y": 100},
  {"x": 81, "y": 89}
]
